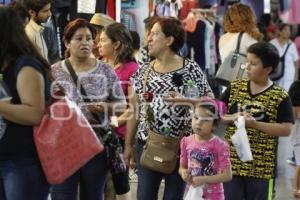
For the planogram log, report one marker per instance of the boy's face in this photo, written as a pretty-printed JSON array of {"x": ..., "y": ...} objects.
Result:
[
  {"x": 255, "y": 69},
  {"x": 203, "y": 121}
]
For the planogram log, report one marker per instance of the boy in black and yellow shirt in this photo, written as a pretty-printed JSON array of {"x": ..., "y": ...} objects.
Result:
[{"x": 268, "y": 113}]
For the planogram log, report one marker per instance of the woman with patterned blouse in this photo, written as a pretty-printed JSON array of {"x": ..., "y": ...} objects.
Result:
[
  {"x": 103, "y": 88},
  {"x": 166, "y": 73}
]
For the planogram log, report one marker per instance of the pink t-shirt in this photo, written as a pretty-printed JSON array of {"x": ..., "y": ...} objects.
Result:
[
  {"x": 206, "y": 159},
  {"x": 124, "y": 73}
]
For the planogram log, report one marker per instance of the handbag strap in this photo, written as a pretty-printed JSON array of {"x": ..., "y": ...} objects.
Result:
[
  {"x": 82, "y": 90},
  {"x": 75, "y": 79},
  {"x": 237, "y": 50},
  {"x": 146, "y": 77},
  {"x": 282, "y": 57}
]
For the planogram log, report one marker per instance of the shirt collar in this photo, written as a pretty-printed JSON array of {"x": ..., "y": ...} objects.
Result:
[{"x": 35, "y": 26}]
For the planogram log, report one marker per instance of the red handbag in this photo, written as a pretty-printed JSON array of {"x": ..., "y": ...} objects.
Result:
[{"x": 65, "y": 141}]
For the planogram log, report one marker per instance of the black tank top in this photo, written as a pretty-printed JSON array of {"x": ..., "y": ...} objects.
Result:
[{"x": 17, "y": 141}]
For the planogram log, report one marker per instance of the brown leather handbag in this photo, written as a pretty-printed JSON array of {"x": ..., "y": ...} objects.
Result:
[{"x": 160, "y": 153}]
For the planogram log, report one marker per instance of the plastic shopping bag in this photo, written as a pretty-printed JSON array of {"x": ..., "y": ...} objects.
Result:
[
  {"x": 240, "y": 141},
  {"x": 194, "y": 193}
]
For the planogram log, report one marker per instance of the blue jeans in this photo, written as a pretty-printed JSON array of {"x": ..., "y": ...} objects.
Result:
[
  {"x": 22, "y": 179},
  {"x": 91, "y": 177},
  {"x": 149, "y": 182}
]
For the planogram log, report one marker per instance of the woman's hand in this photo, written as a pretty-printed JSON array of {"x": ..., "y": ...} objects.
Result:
[
  {"x": 129, "y": 156},
  {"x": 230, "y": 118},
  {"x": 95, "y": 108},
  {"x": 175, "y": 97},
  {"x": 173, "y": 94}
]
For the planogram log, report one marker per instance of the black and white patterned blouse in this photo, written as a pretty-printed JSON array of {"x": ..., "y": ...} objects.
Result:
[
  {"x": 144, "y": 57},
  {"x": 175, "y": 118}
]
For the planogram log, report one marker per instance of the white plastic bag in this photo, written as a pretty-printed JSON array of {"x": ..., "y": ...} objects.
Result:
[
  {"x": 194, "y": 193},
  {"x": 240, "y": 141}
]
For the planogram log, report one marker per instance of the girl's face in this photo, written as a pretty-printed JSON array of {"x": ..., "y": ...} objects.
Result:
[
  {"x": 202, "y": 122},
  {"x": 106, "y": 46},
  {"x": 81, "y": 43},
  {"x": 255, "y": 70}
]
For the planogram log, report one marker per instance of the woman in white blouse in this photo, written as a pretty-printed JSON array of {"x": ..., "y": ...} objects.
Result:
[
  {"x": 291, "y": 57},
  {"x": 238, "y": 18}
]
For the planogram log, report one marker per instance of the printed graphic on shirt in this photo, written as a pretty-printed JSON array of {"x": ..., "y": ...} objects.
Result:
[
  {"x": 201, "y": 162},
  {"x": 263, "y": 107}
]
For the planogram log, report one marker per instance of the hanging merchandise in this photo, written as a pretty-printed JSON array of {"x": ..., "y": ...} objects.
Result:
[
  {"x": 84, "y": 7},
  {"x": 187, "y": 6},
  {"x": 111, "y": 9},
  {"x": 130, "y": 3},
  {"x": 195, "y": 42},
  {"x": 5, "y": 2},
  {"x": 129, "y": 20},
  {"x": 284, "y": 10},
  {"x": 289, "y": 11},
  {"x": 161, "y": 8},
  {"x": 150, "y": 6},
  {"x": 175, "y": 6},
  {"x": 294, "y": 14},
  {"x": 86, "y": 10}
]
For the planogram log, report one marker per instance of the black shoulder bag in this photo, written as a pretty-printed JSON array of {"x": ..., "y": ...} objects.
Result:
[{"x": 278, "y": 72}]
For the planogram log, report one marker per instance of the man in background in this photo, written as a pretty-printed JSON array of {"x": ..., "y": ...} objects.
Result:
[{"x": 39, "y": 11}]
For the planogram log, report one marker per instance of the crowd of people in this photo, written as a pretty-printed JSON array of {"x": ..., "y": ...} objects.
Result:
[{"x": 131, "y": 90}]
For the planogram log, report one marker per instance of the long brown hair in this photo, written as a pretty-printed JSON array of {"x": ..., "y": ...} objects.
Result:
[
  {"x": 241, "y": 18},
  {"x": 118, "y": 32}
]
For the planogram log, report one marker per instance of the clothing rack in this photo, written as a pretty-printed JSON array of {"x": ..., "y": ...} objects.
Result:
[
  {"x": 205, "y": 13},
  {"x": 202, "y": 10}
]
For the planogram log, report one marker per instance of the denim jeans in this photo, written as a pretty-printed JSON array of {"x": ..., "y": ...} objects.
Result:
[
  {"x": 91, "y": 178},
  {"x": 22, "y": 179},
  {"x": 149, "y": 182}
]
